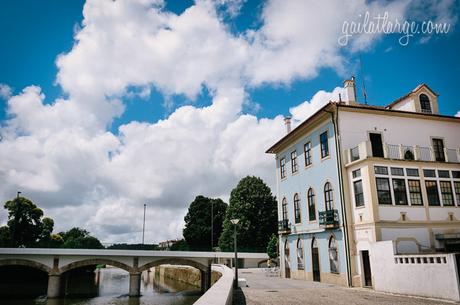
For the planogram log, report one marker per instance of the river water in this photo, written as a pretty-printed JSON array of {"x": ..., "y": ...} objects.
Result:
[{"x": 110, "y": 286}]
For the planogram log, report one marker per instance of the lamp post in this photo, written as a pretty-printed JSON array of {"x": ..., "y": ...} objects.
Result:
[
  {"x": 143, "y": 225},
  {"x": 235, "y": 283}
]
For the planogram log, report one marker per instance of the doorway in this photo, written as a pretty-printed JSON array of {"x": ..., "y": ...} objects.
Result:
[
  {"x": 315, "y": 261},
  {"x": 366, "y": 268},
  {"x": 287, "y": 268},
  {"x": 377, "y": 144}
]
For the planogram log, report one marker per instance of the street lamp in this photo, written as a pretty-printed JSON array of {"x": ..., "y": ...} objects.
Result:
[
  {"x": 143, "y": 225},
  {"x": 235, "y": 283}
]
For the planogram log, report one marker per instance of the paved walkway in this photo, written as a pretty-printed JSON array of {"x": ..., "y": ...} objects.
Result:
[{"x": 265, "y": 290}]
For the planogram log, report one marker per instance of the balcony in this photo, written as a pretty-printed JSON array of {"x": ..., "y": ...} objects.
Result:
[
  {"x": 329, "y": 219},
  {"x": 401, "y": 152},
  {"x": 284, "y": 227}
]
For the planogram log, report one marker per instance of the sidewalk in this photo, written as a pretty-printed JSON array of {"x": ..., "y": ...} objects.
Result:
[{"x": 265, "y": 290}]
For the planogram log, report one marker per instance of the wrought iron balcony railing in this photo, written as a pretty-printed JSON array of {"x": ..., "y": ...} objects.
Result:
[
  {"x": 329, "y": 219},
  {"x": 283, "y": 226},
  {"x": 402, "y": 152}
]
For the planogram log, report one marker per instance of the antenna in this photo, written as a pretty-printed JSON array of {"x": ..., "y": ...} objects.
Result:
[{"x": 363, "y": 87}]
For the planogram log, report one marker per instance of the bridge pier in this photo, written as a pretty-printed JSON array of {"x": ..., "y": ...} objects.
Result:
[
  {"x": 54, "y": 286},
  {"x": 135, "y": 284}
]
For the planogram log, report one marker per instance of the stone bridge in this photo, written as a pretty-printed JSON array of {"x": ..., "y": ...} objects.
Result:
[{"x": 56, "y": 262}]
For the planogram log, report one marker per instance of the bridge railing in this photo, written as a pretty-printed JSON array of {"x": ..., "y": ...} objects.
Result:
[{"x": 221, "y": 293}]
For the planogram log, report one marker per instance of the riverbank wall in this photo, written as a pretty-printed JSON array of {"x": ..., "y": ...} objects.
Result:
[{"x": 184, "y": 274}]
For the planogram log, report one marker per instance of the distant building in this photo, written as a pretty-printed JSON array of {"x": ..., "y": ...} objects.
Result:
[
  {"x": 352, "y": 175},
  {"x": 166, "y": 245}
]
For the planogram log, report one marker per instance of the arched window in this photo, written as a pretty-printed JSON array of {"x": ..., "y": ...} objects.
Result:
[
  {"x": 297, "y": 208},
  {"x": 425, "y": 105},
  {"x": 333, "y": 255},
  {"x": 300, "y": 261},
  {"x": 328, "y": 196},
  {"x": 284, "y": 207},
  {"x": 311, "y": 205},
  {"x": 408, "y": 155}
]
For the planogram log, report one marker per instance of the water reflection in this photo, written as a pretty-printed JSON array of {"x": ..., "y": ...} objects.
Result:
[{"x": 109, "y": 286}]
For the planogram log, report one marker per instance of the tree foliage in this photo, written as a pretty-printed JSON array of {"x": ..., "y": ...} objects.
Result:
[
  {"x": 272, "y": 247},
  {"x": 77, "y": 238},
  {"x": 180, "y": 245},
  {"x": 26, "y": 226},
  {"x": 125, "y": 246},
  {"x": 197, "y": 231},
  {"x": 251, "y": 202}
]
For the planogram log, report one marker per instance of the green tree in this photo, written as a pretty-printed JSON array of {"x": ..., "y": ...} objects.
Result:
[
  {"x": 272, "y": 247},
  {"x": 5, "y": 237},
  {"x": 27, "y": 227},
  {"x": 253, "y": 204},
  {"x": 197, "y": 231},
  {"x": 180, "y": 245},
  {"x": 77, "y": 238}
]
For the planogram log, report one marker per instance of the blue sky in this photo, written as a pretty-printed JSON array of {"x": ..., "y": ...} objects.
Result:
[{"x": 217, "y": 80}]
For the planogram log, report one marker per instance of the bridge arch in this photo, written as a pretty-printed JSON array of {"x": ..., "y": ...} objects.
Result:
[
  {"x": 26, "y": 263},
  {"x": 95, "y": 261},
  {"x": 174, "y": 261}
]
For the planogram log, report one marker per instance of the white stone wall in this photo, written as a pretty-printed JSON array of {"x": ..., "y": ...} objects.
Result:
[{"x": 436, "y": 277}]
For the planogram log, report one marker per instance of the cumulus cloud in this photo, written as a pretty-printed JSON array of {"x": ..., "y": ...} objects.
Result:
[
  {"x": 458, "y": 114},
  {"x": 5, "y": 91},
  {"x": 62, "y": 155}
]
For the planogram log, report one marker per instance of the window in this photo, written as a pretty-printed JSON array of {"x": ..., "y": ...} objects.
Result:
[
  {"x": 324, "y": 145},
  {"x": 413, "y": 172},
  {"x": 294, "y": 166},
  {"x": 409, "y": 155},
  {"x": 381, "y": 170},
  {"x": 397, "y": 171},
  {"x": 333, "y": 255},
  {"x": 429, "y": 173},
  {"x": 328, "y": 196},
  {"x": 432, "y": 193},
  {"x": 446, "y": 193},
  {"x": 457, "y": 191},
  {"x": 297, "y": 208},
  {"x": 311, "y": 205},
  {"x": 383, "y": 190},
  {"x": 443, "y": 174},
  {"x": 300, "y": 261},
  {"x": 284, "y": 207},
  {"x": 399, "y": 191},
  {"x": 425, "y": 105},
  {"x": 438, "y": 148},
  {"x": 307, "y": 153},
  {"x": 283, "y": 168},
  {"x": 456, "y": 174},
  {"x": 356, "y": 173},
  {"x": 415, "y": 192},
  {"x": 359, "y": 196}
]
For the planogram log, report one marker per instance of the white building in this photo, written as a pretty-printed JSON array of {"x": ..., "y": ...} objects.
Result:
[{"x": 396, "y": 177}]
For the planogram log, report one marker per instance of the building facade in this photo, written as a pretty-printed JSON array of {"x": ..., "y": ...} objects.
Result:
[{"x": 352, "y": 175}]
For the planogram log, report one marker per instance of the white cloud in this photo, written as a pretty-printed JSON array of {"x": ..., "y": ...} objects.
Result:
[
  {"x": 62, "y": 156},
  {"x": 5, "y": 91},
  {"x": 306, "y": 109},
  {"x": 457, "y": 114}
]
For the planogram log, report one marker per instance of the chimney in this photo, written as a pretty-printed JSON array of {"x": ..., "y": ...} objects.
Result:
[
  {"x": 287, "y": 122},
  {"x": 350, "y": 88}
]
